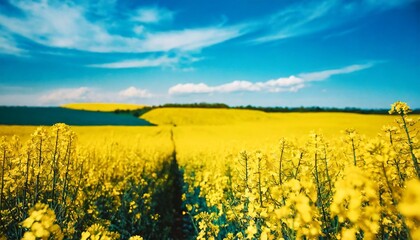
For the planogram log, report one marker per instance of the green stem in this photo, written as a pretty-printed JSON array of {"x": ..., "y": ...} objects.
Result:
[
  {"x": 326, "y": 169},
  {"x": 410, "y": 144},
  {"x": 55, "y": 169},
  {"x": 259, "y": 181},
  {"x": 354, "y": 152},
  {"x": 318, "y": 185},
  {"x": 297, "y": 168},
  {"x": 39, "y": 172},
  {"x": 2, "y": 179},
  {"x": 26, "y": 180},
  {"x": 280, "y": 163}
]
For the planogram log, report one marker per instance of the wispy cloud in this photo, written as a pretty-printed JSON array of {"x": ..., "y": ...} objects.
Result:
[
  {"x": 89, "y": 94},
  {"x": 139, "y": 63},
  {"x": 340, "y": 33},
  {"x": 307, "y": 17},
  {"x": 369, "y": 5},
  {"x": 133, "y": 92},
  {"x": 290, "y": 84},
  {"x": 70, "y": 25},
  {"x": 13, "y": 95},
  {"x": 65, "y": 25},
  {"x": 19, "y": 99},
  {"x": 322, "y": 75},
  {"x": 295, "y": 20},
  {"x": 65, "y": 95},
  {"x": 286, "y": 84},
  {"x": 8, "y": 45},
  {"x": 152, "y": 15},
  {"x": 102, "y": 8},
  {"x": 190, "y": 39},
  {"x": 56, "y": 25}
]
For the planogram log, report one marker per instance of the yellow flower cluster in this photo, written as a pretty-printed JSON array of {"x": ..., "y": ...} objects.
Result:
[
  {"x": 98, "y": 232},
  {"x": 83, "y": 188},
  {"x": 356, "y": 203},
  {"x": 400, "y": 108},
  {"x": 348, "y": 187},
  {"x": 352, "y": 187},
  {"x": 41, "y": 224},
  {"x": 410, "y": 207}
]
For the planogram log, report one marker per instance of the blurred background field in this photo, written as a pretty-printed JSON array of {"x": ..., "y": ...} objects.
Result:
[
  {"x": 221, "y": 131},
  {"x": 200, "y": 172},
  {"x": 102, "y": 107},
  {"x": 238, "y": 125},
  {"x": 51, "y": 115}
]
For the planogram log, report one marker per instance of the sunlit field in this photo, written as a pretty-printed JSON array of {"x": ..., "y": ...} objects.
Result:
[
  {"x": 102, "y": 107},
  {"x": 215, "y": 174},
  {"x": 213, "y": 130},
  {"x": 209, "y": 120}
]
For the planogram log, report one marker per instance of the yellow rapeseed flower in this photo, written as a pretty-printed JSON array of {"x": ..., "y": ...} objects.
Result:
[{"x": 400, "y": 108}]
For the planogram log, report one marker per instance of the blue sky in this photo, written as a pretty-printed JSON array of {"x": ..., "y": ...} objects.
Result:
[{"x": 267, "y": 53}]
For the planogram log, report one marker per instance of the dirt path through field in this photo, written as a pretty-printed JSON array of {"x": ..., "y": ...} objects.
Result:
[{"x": 170, "y": 201}]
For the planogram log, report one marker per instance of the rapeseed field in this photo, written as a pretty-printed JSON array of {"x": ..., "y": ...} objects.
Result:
[
  {"x": 215, "y": 174},
  {"x": 103, "y": 107}
]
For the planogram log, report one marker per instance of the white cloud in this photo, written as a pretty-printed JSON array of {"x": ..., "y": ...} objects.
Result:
[
  {"x": 57, "y": 25},
  {"x": 8, "y": 45},
  {"x": 290, "y": 84},
  {"x": 100, "y": 7},
  {"x": 237, "y": 86},
  {"x": 186, "y": 69},
  {"x": 19, "y": 99},
  {"x": 190, "y": 39},
  {"x": 133, "y": 92},
  {"x": 152, "y": 15},
  {"x": 282, "y": 82},
  {"x": 190, "y": 88},
  {"x": 378, "y": 4},
  {"x": 65, "y": 25},
  {"x": 287, "y": 84},
  {"x": 138, "y": 29},
  {"x": 64, "y": 95},
  {"x": 340, "y": 33},
  {"x": 88, "y": 94},
  {"x": 307, "y": 17},
  {"x": 139, "y": 63},
  {"x": 322, "y": 75},
  {"x": 295, "y": 20}
]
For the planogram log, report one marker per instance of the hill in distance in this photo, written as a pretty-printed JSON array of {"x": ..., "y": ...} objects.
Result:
[{"x": 103, "y": 107}]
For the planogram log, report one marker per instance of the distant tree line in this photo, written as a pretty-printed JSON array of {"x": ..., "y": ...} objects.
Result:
[
  {"x": 141, "y": 111},
  {"x": 135, "y": 112},
  {"x": 195, "y": 105},
  {"x": 319, "y": 109}
]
